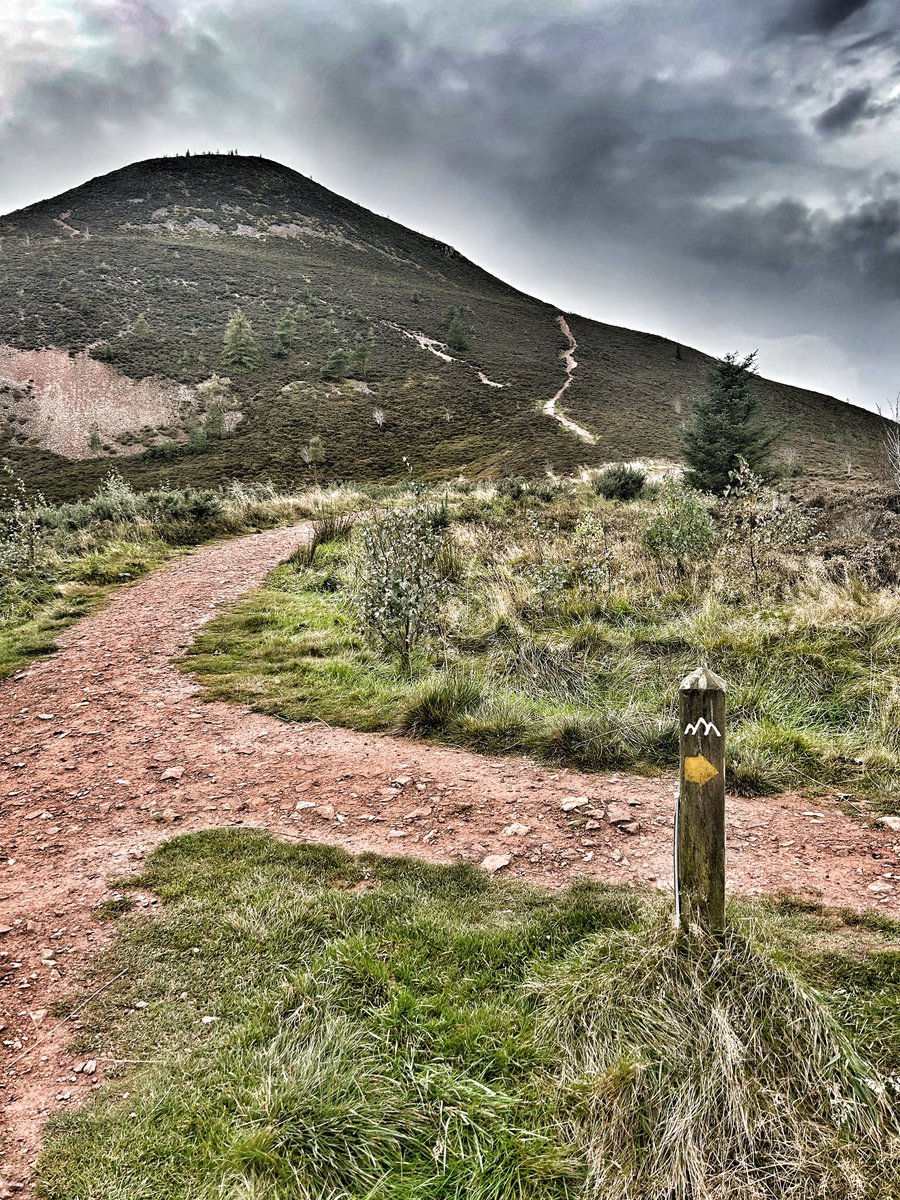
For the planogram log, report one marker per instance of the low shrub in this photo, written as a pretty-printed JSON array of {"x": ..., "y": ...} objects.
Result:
[
  {"x": 546, "y": 490},
  {"x": 680, "y": 536},
  {"x": 620, "y": 482},
  {"x": 512, "y": 488},
  {"x": 398, "y": 581}
]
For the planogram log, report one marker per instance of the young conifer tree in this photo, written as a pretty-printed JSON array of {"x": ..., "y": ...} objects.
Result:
[
  {"x": 722, "y": 431},
  {"x": 284, "y": 332},
  {"x": 336, "y": 365},
  {"x": 457, "y": 338},
  {"x": 239, "y": 344}
]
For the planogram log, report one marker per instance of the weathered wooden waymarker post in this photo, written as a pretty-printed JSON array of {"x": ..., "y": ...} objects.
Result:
[{"x": 700, "y": 812}]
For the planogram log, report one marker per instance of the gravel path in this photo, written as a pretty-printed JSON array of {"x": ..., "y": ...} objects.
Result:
[{"x": 106, "y": 748}]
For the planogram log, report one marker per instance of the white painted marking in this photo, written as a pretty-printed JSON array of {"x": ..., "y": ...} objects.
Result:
[{"x": 708, "y": 727}]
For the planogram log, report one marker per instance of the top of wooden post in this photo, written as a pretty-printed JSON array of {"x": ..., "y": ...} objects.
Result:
[{"x": 703, "y": 680}]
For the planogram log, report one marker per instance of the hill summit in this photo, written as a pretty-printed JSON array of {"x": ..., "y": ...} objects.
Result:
[{"x": 216, "y": 316}]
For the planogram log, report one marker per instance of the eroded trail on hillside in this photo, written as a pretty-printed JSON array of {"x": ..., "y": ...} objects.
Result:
[
  {"x": 107, "y": 748},
  {"x": 569, "y": 359},
  {"x": 441, "y": 350}
]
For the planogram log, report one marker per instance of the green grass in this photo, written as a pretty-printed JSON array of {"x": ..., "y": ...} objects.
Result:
[
  {"x": 34, "y": 615},
  {"x": 85, "y": 549},
  {"x": 562, "y": 642},
  {"x": 297, "y": 1023}
]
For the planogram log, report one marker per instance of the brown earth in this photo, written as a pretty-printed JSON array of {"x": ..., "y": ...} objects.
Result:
[
  {"x": 107, "y": 748},
  {"x": 72, "y": 395}
]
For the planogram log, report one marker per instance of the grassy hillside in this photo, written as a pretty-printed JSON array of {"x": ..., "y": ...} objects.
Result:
[{"x": 142, "y": 269}]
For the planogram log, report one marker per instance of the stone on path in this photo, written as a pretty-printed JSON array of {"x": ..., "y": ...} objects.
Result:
[
  {"x": 516, "y": 830},
  {"x": 495, "y": 862},
  {"x": 571, "y": 803}
]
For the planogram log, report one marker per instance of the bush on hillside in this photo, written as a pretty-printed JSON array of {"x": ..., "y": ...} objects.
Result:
[
  {"x": 758, "y": 522},
  {"x": 546, "y": 489},
  {"x": 513, "y": 487},
  {"x": 680, "y": 536},
  {"x": 620, "y": 482},
  {"x": 517, "y": 487}
]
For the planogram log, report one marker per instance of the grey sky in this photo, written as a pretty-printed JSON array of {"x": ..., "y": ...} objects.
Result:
[{"x": 724, "y": 173}]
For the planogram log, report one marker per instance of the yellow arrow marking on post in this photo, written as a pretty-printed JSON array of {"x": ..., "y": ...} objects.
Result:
[{"x": 698, "y": 769}]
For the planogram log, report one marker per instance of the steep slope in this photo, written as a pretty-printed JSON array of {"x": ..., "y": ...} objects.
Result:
[{"x": 141, "y": 269}]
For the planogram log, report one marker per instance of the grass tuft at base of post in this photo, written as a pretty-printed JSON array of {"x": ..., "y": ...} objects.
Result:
[{"x": 698, "y": 1068}]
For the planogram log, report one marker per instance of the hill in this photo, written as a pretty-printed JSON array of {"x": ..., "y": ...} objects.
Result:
[{"x": 115, "y": 298}]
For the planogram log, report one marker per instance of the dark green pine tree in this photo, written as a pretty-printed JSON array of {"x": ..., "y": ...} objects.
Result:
[
  {"x": 722, "y": 430},
  {"x": 457, "y": 338},
  {"x": 360, "y": 359},
  {"x": 336, "y": 365}
]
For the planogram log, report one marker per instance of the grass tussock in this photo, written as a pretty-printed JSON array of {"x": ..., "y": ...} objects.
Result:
[
  {"x": 297, "y": 1023},
  {"x": 439, "y": 702},
  {"x": 700, "y": 1070},
  {"x": 328, "y": 527}
]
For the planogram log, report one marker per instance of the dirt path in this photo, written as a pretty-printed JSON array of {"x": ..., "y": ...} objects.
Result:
[
  {"x": 571, "y": 363},
  {"x": 107, "y": 749},
  {"x": 441, "y": 350}
]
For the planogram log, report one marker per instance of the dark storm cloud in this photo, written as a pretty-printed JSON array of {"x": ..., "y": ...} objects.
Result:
[
  {"x": 158, "y": 75},
  {"x": 819, "y": 16},
  {"x": 701, "y": 144},
  {"x": 794, "y": 240},
  {"x": 852, "y": 107},
  {"x": 563, "y": 122}
]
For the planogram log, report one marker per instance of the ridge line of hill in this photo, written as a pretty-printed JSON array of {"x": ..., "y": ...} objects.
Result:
[{"x": 142, "y": 270}]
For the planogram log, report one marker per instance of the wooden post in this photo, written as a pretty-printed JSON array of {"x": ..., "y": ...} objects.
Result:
[{"x": 700, "y": 811}]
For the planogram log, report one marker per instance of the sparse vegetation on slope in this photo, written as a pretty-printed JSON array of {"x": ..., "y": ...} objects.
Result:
[
  {"x": 565, "y": 628},
  {"x": 295, "y": 1023},
  {"x": 341, "y": 313}
]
